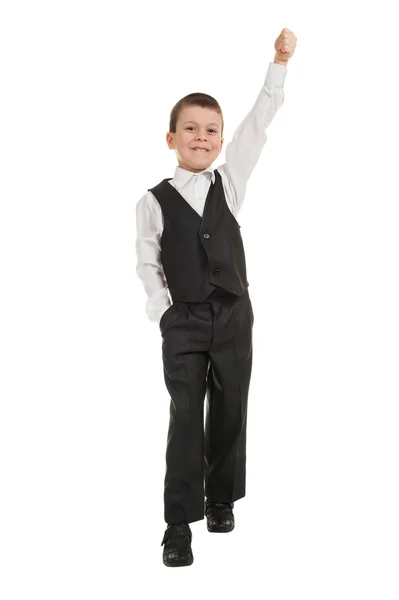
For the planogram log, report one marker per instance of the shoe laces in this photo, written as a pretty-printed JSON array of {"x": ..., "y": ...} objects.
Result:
[{"x": 176, "y": 530}]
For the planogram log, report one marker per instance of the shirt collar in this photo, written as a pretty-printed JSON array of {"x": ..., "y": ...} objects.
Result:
[{"x": 182, "y": 176}]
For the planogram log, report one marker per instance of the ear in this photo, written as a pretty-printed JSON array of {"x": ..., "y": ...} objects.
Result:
[{"x": 170, "y": 140}]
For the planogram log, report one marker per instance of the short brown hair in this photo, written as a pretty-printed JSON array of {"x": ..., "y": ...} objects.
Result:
[{"x": 195, "y": 99}]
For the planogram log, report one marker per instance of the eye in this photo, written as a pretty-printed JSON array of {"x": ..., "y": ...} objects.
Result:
[{"x": 190, "y": 127}]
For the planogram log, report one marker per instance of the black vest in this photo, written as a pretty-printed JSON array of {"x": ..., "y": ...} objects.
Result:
[{"x": 199, "y": 253}]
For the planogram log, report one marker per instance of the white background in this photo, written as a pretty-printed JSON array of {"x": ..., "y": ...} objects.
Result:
[{"x": 87, "y": 89}]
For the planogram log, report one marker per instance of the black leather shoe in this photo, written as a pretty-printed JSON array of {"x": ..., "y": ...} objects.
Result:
[
  {"x": 177, "y": 550},
  {"x": 220, "y": 518}
]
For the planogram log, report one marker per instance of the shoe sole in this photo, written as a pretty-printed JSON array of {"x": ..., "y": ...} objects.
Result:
[
  {"x": 179, "y": 564},
  {"x": 215, "y": 530}
]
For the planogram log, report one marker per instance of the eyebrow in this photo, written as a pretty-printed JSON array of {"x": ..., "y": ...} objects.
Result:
[{"x": 185, "y": 123}]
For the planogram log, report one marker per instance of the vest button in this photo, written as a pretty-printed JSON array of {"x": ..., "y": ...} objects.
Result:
[
  {"x": 206, "y": 236},
  {"x": 216, "y": 272}
]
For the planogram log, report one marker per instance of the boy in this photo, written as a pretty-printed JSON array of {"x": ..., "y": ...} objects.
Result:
[{"x": 189, "y": 241}]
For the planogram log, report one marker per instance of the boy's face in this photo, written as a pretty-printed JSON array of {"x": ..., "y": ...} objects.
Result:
[{"x": 197, "y": 127}]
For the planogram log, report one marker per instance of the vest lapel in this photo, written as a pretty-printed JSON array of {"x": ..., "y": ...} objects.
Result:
[{"x": 179, "y": 195}]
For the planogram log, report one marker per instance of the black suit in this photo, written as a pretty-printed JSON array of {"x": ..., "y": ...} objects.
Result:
[{"x": 206, "y": 351}]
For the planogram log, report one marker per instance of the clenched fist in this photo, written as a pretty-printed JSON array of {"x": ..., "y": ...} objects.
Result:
[{"x": 284, "y": 46}]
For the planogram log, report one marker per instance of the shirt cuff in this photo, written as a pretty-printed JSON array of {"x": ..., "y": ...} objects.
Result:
[
  {"x": 276, "y": 75},
  {"x": 157, "y": 304}
]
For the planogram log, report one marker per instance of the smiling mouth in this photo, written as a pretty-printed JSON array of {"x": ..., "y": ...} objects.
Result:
[{"x": 201, "y": 150}]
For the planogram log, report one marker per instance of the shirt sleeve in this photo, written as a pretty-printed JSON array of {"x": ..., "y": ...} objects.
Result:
[
  {"x": 243, "y": 152},
  {"x": 148, "y": 253}
]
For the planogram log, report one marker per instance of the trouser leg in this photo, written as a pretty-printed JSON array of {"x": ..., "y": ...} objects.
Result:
[
  {"x": 227, "y": 400},
  {"x": 185, "y": 358}
]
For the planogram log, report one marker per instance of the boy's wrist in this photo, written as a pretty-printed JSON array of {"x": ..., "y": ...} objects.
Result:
[{"x": 280, "y": 62}]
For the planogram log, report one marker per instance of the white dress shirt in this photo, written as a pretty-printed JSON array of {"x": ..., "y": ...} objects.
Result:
[{"x": 242, "y": 154}]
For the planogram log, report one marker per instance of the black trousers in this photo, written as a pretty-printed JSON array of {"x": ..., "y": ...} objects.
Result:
[{"x": 206, "y": 351}]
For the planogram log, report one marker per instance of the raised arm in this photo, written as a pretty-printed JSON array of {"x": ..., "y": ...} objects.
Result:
[{"x": 244, "y": 150}]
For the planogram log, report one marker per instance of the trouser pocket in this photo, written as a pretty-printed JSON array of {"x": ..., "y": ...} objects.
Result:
[{"x": 168, "y": 317}]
